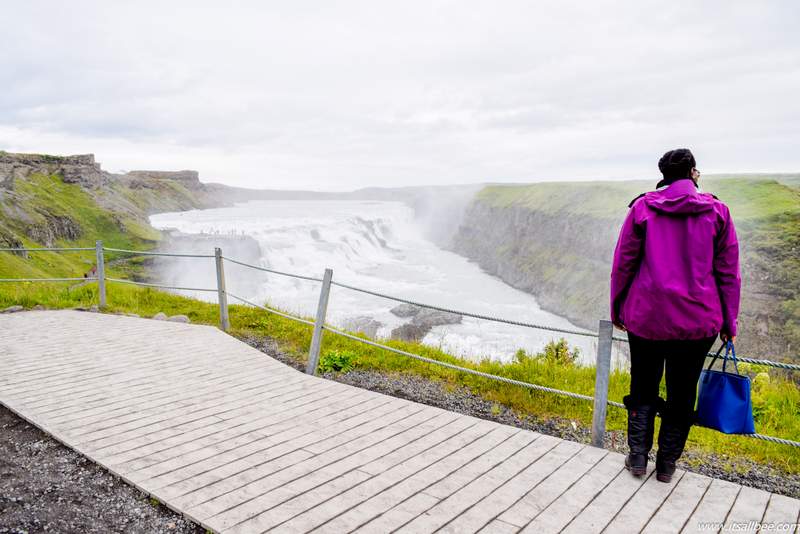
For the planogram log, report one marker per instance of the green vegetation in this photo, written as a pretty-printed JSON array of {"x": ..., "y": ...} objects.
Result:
[
  {"x": 335, "y": 361},
  {"x": 748, "y": 198},
  {"x": 44, "y": 206}
]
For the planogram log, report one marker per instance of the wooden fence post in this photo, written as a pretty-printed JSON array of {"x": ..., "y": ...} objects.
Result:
[
  {"x": 322, "y": 309},
  {"x": 602, "y": 371},
  {"x": 101, "y": 273},
  {"x": 224, "y": 321}
]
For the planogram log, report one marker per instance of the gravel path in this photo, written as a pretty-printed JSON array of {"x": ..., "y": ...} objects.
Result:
[
  {"x": 46, "y": 487},
  {"x": 462, "y": 400}
]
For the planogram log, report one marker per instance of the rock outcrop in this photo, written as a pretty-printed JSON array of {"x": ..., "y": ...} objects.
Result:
[
  {"x": 81, "y": 168},
  {"x": 363, "y": 324},
  {"x": 53, "y": 228},
  {"x": 405, "y": 310},
  {"x": 423, "y": 321},
  {"x": 186, "y": 177}
]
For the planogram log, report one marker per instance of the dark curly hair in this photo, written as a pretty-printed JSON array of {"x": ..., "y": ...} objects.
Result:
[{"x": 677, "y": 163}]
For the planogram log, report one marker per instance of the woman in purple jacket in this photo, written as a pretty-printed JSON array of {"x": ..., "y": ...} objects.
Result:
[{"x": 674, "y": 287}]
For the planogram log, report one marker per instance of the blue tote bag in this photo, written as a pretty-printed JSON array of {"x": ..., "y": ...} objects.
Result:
[{"x": 723, "y": 402}]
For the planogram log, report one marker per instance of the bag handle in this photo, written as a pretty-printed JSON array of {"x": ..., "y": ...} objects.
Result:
[
  {"x": 714, "y": 359},
  {"x": 729, "y": 350}
]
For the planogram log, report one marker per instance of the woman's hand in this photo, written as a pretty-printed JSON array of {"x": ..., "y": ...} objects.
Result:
[
  {"x": 620, "y": 326},
  {"x": 724, "y": 336}
]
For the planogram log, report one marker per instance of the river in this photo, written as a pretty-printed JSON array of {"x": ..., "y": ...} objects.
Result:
[{"x": 376, "y": 245}]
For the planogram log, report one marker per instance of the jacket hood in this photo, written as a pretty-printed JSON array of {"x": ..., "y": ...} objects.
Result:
[{"x": 680, "y": 198}]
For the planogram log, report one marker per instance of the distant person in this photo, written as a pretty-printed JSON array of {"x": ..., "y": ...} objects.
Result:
[{"x": 675, "y": 286}]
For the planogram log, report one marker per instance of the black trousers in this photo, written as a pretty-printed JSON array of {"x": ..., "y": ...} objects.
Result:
[{"x": 683, "y": 360}]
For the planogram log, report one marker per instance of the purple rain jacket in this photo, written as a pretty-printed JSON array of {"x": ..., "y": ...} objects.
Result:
[{"x": 676, "y": 266}]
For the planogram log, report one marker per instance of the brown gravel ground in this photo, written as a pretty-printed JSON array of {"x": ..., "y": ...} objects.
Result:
[{"x": 46, "y": 487}]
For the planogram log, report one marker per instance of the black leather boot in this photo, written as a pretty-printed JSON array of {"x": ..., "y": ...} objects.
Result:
[
  {"x": 641, "y": 422},
  {"x": 671, "y": 441}
]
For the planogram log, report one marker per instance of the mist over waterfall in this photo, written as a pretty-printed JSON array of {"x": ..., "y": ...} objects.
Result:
[{"x": 376, "y": 245}]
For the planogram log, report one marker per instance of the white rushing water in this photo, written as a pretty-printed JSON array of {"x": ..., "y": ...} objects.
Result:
[{"x": 378, "y": 246}]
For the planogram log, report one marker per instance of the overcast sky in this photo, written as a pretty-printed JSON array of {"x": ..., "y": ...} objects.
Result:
[{"x": 338, "y": 95}]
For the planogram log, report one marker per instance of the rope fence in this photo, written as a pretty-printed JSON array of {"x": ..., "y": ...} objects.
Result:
[
  {"x": 468, "y": 314},
  {"x": 604, "y": 335},
  {"x": 151, "y": 253},
  {"x": 273, "y": 271},
  {"x": 455, "y": 367},
  {"x": 270, "y": 310},
  {"x": 46, "y": 279},
  {"x": 60, "y": 249},
  {"x": 766, "y": 363},
  {"x": 159, "y": 286}
]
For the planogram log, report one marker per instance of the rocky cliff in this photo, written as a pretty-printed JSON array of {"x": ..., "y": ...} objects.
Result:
[
  {"x": 556, "y": 241},
  {"x": 73, "y": 169},
  {"x": 45, "y": 199}
]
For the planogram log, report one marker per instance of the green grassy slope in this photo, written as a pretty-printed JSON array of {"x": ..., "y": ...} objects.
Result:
[
  {"x": 556, "y": 240},
  {"x": 38, "y": 205}
]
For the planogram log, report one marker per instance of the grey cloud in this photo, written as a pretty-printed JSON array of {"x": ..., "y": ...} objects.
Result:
[{"x": 350, "y": 94}]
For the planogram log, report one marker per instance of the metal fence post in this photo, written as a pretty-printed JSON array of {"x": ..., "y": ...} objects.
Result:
[
  {"x": 602, "y": 370},
  {"x": 224, "y": 320},
  {"x": 322, "y": 309},
  {"x": 101, "y": 273}
]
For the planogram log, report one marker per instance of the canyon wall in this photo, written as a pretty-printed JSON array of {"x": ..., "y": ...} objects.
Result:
[{"x": 556, "y": 241}]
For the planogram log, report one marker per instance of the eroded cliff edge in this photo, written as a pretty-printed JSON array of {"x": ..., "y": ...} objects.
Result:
[{"x": 556, "y": 241}]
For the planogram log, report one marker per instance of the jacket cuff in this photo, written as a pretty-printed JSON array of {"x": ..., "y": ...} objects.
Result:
[{"x": 730, "y": 328}]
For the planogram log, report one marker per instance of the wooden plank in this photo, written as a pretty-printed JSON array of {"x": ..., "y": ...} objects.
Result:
[
  {"x": 194, "y": 388},
  {"x": 448, "y": 515},
  {"x": 143, "y": 405},
  {"x": 399, "y": 514},
  {"x": 311, "y": 404},
  {"x": 749, "y": 506},
  {"x": 98, "y": 435},
  {"x": 321, "y": 468},
  {"x": 95, "y": 430},
  {"x": 675, "y": 511},
  {"x": 566, "y": 506},
  {"x": 201, "y": 461},
  {"x": 602, "y": 509},
  {"x": 638, "y": 510},
  {"x": 505, "y": 496},
  {"x": 304, "y": 494},
  {"x": 783, "y": 510},
  {"x": 393, "y": 508},
  {"x": 368, "y": 501},
  {"x": 540, "y": 497},
  {"x": 255, "y": 425},
  {"x": 497, "y": 526},
  {"x": 714, "y": 506},
  {"x": 480, "y": 465},
  {"x": 385, "y": 472},
  {"x": 204, "y": 481}
]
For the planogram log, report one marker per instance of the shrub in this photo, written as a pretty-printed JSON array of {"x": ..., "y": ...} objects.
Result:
[
  {"x": 559, "y": 352},
  {"x": 337, "y": 361}
]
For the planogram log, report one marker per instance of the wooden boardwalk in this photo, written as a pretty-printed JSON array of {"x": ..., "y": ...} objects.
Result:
[{"x": 243, "y": 444}]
